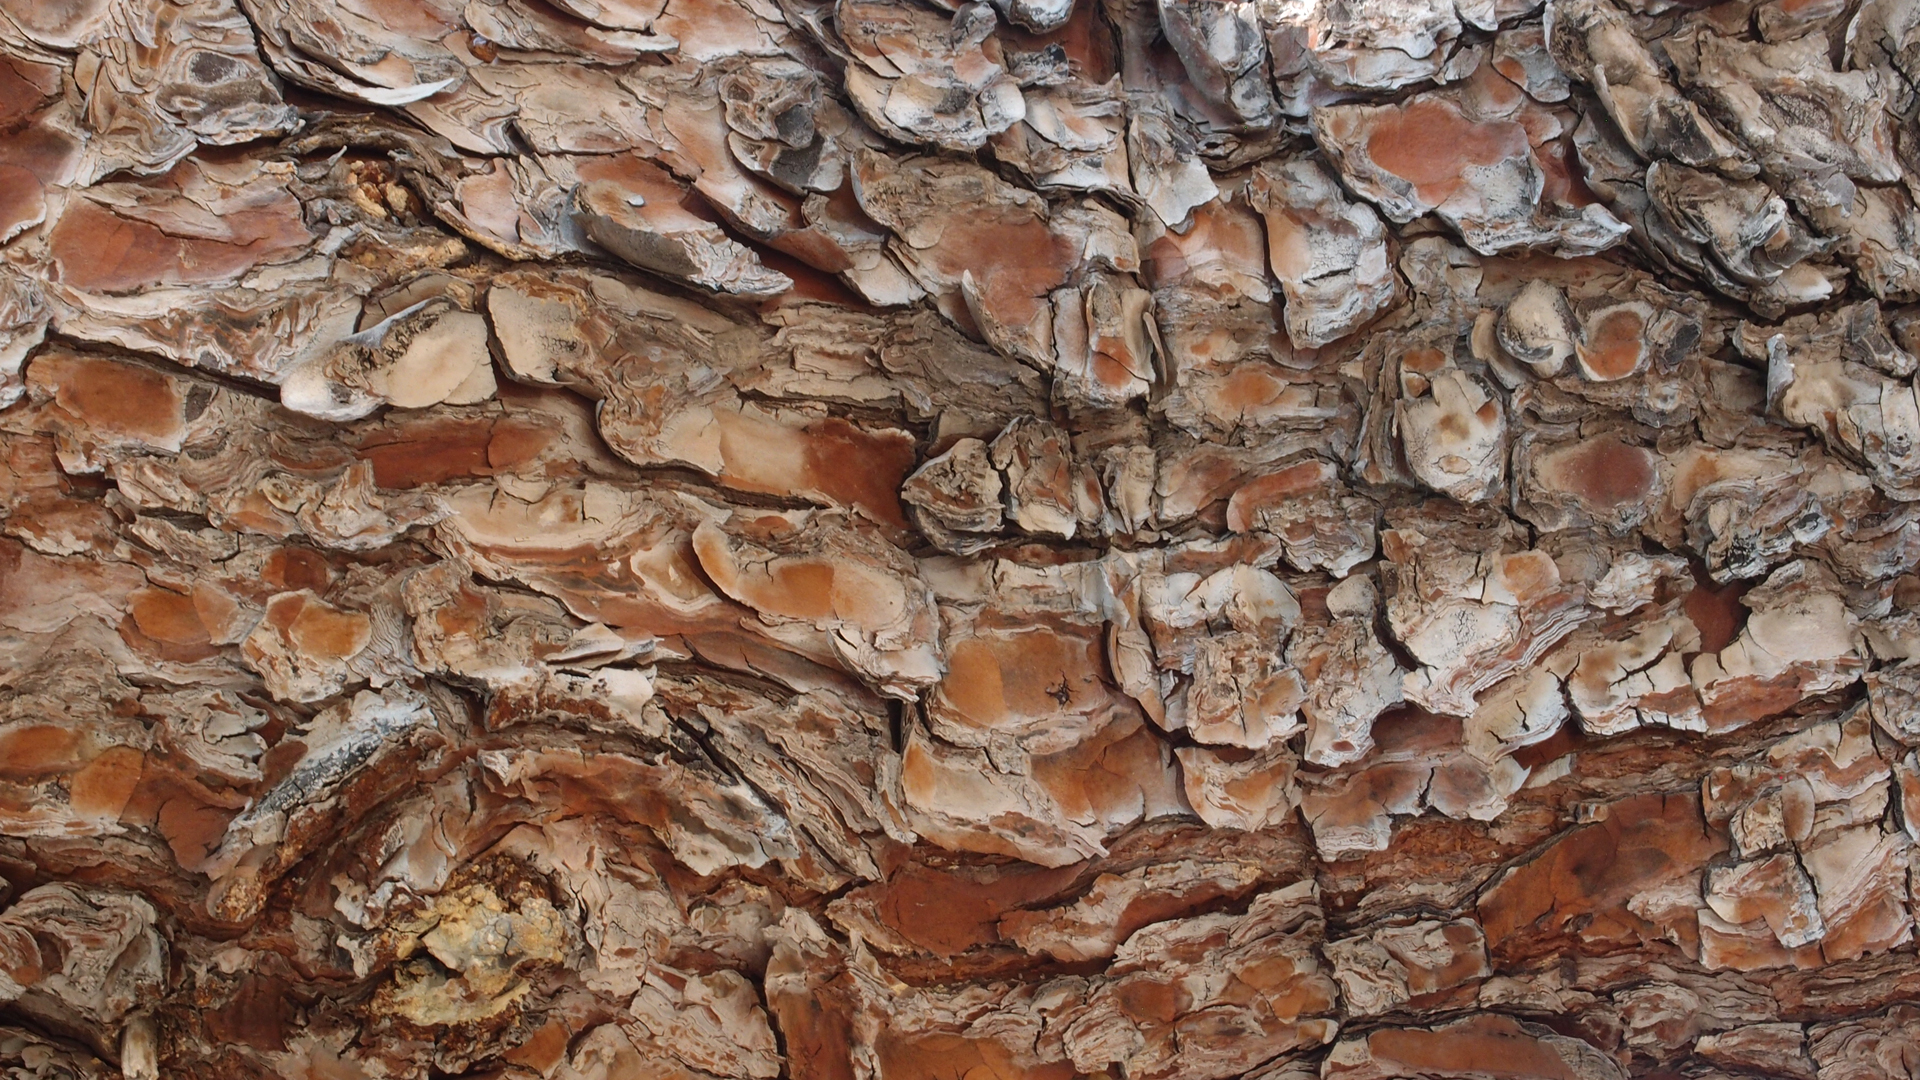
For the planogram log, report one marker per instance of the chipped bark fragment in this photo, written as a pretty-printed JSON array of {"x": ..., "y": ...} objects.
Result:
[
  {"x": 1323, "y": 51},
  {"x": 1353, "y": 810},
  {"x": 1843, "y": 904},
  {"x": 1892, "y": 694},
  {"x": 958, "y": 492},
  {"x": 1095, "y": 925},
  {"x": 1042, "y": 688},
  {"x": 1537, "y": 328},
  {"x": 303, "y": 646},
  {"x": 1073, "y": 135},
  {"x": 1105, "y": 342},
  {"x": 639, "y": 217},
  {"x": 1604, "y": 481},
  {"x": 1166, "y": 170},
  {"x": 1309, "y": 511},
  {"x": 1483, "y": 158},
  {"x": 1353, "y": 676},
  {"x": 1471, "y": 616},
  {"x": 1591, "y": 42},
  {"x": 1842, "y": 133},
  {"x": 1396, "y": 965},
  {"x": 1242, "y": 694},
  {"x": 1145, "y": 1016},
  {"x": 102, "y": 956},
  {"x": 1033, "y": 456},
  {"x": 97, "y": 246},
  {"x": 421, "y": 356},
  {"x": 922, "y": 75},
  {"x": 1051, "y": 809},
  {"x": 1799, "y": 634},
  {"x": 1619, "y": 684},
  {"x": 817, "y": 572},
  {"x": 343, "y": 749},
  {"x": 1254, "y": 793},
  {"x": 1779, "y": 1047},
  {"x": 1857, "y": 410},
  {"x": 1221, "y": 46},
  {"x": 1452, "y": 425},
  {"x": 1329, "y": 254},
  {"x": 997, "y": 265}
]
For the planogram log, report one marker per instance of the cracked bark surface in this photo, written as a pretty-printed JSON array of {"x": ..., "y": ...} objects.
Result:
[{"x": 913, "y": 540}]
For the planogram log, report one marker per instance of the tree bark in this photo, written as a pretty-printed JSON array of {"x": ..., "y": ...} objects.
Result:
[{"x": 919, "y": 540}]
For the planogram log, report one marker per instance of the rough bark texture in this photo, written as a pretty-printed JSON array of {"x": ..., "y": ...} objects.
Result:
[{"x": 899, "y": 540}]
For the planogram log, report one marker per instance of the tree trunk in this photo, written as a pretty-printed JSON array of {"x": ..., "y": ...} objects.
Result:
[{"x": 919, "y": 540}]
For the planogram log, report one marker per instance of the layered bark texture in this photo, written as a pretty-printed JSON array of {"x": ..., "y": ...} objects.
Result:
[{"x": 921, "y": 540}]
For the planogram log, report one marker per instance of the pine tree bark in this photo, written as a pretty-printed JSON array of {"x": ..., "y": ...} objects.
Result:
[{"x": 915, "y": 540}]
